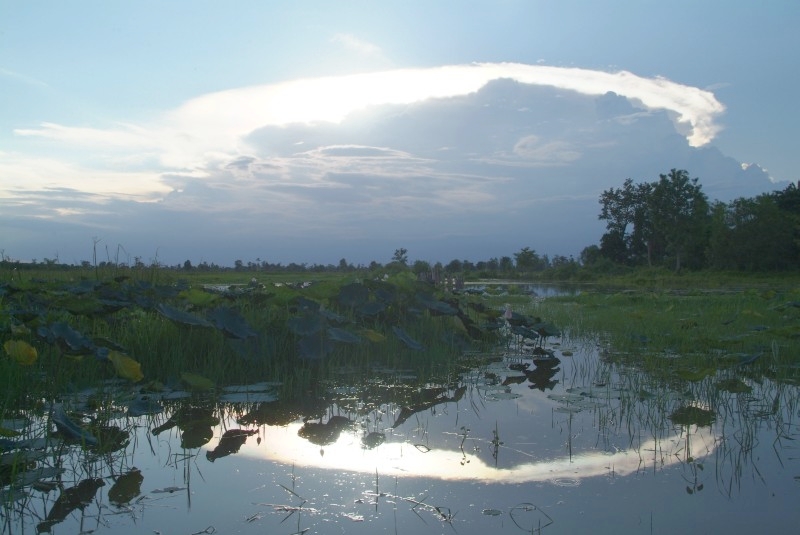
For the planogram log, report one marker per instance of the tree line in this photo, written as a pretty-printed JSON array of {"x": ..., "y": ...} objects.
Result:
[
  {"x": 670, "y": 222},
  {"x": 665, "y": 223}
]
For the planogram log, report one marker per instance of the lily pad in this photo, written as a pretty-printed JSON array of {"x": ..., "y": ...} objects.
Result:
[
  {"x": 231, "y": 323},
  {"x": 248, "y": 397},
  {"x": 197, "y": 382},
  {"x": 69, "y": 428},
  {"x": 340, "y": 335},
  {"x": 692, "y": 415},
  {"x": 21, "y": 351},
  {"x": 306, "y": 324},
  {"x": 29, "y": 477},
  {"x": 546, "y": 330},
  {"x": 353, "y": 295},
  {"x": 372, "y": 335},
  {"x": 126, "y": 487},
  {"x": 144, "y": 405},
  {"x": 735, "y": 386},
  {"x": 179, "y": 316},
  {"x": 313, "y": 347},
  {"x": 70, "y": 340},
  {"x": 372, "y": 308},
  {"x": 407, "y": 340},
  {"x": 436, "y": 306},
  {"x": 497, "y": 396},
  {"x": 198, "y": 298},
  {"x": 125, "y": 366}
]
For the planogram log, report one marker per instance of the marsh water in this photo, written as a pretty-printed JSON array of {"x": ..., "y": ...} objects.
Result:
[{"x": 524, "y": 439}]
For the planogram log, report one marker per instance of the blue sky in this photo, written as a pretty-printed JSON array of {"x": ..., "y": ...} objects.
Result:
[{"x": 312, "y": 131}]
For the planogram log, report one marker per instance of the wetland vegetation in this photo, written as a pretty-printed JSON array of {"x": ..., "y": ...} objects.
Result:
[
  {"x": 378, "y": 403},
  {"x": 641, "y": 393}
]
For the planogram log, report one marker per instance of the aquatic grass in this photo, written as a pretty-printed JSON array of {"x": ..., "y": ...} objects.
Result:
[{"x": 691, "y": 334}]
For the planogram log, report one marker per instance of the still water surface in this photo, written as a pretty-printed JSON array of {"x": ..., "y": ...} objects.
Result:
[{"x": 511, "y": 444}]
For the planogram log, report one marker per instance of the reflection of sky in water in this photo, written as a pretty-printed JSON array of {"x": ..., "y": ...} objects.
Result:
[
  {"x": 403, "y": 458},
  {"x": 616, "y": 466}
]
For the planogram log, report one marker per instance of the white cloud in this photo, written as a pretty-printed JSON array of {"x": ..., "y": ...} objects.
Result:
[
  {"x": 496, "y": 152},
  {"x": 532, "y": 148},
  {"x": 353, "y": 43},
  {"x": 215, "y": 123},
  {"x": 41, "y": 173},
  {"x": 127, "y": 136}
]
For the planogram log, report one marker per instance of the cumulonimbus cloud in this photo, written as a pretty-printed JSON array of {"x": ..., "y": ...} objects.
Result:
[{"x": 216, "y": 123}]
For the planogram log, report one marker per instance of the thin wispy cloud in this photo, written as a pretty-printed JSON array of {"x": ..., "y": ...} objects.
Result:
[
  {"x": 24, "y": 78},
  {"x": 360, "y": 46}
]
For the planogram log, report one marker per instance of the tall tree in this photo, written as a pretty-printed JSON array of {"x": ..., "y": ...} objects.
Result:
[
  {"x": 752, "y": 234},
  {"x": 626, "y": 213},
  {"x": 679, "y": 213},
  {"x": 401, "y": 256},
  {"x": 527, "y": 259}
]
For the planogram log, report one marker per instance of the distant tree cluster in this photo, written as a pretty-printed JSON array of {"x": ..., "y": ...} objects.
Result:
[
  {"x": 670, "y": 222},
  {"x": 666, "y": 223}
]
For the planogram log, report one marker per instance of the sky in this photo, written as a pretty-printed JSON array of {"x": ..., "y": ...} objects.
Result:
[{"x": 313, "y": 131}]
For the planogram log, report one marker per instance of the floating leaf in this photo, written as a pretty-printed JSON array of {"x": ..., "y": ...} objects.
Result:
[
  {"x": 546, "y": 329},
  {"x": 263, "y": 386},
  {"x": 353, "y": 295},
  {"x": 125, "y": 366},
  {"x": 31, "y": 476},
  {"x": 340, "y": 335},
  {"x": 19, "y": 330},
  {"x": 249, "y": 397},
  {"x": 496, "y": 396},
  {"x": 373, "y": 440},
  {"x": 436, "y": 306},
  {"x": 81, "y": 305},
  {"x": 179, "y": 316},
  {"x": 732, "y": 385},
  {"x": 198, "y": 298},
  {"x": 313, "y": 347},
  {"x": 67, "y": 338},
  {"x": 373, "y": 336},
  {"x": 127, "y": 487},
  {"x": 21, "y": 351},
  {"x": 231, "y": 323},
  {"x": 692, "y": 415},
  {"x": 144, "y": 404},
  {"x": 332, "y": 316},
  {"x": 77, "y": 497},
  {"x": 373, "y": 308},
  {"x": 407, "y": 340},
  {"x": 196, "y": 382},
  {"x": 695, "y": 374},
  {"x": 69, "y": 428},
  {"x": 306, "y": 324},
  {"x": 525, "y": 332}
]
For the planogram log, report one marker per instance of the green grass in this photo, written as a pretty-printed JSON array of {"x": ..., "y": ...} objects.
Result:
[{"x": 685, "y": 335}]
